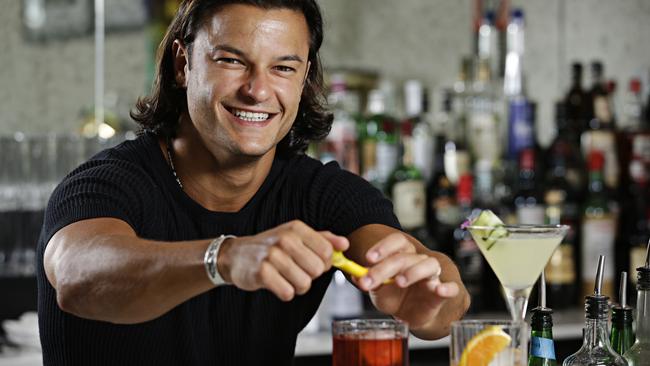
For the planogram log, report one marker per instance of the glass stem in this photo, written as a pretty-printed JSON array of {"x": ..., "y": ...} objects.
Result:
[{"x": 517, "y": 302}]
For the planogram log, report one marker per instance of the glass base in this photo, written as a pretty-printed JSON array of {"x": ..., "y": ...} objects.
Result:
[{"x": 517, "y": 302}]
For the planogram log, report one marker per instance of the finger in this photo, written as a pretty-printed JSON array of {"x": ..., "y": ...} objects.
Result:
[
  {"x": 426, "y": 269},
  {"x": 445, "y": 290},
  {"x": 393, "y": 243},
  {"x": 302, "y": 254},
  {"x": 289, "y": 270},
  {"x": 338, "y": 242},
  {"x": 388, "y": 268},
  {"x": 274, "y": 282},
  {"x": 312, "y": 239}
]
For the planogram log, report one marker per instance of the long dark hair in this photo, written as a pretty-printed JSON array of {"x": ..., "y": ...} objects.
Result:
[{"x": 159, "y": 112}]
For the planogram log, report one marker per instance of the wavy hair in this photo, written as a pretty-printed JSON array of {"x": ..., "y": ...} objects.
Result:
[{"x": 160, "y": 111}]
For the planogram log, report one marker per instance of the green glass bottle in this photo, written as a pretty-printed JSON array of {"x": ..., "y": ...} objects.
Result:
[
  {"x": 622, "y": 337},
  {"x": 542, "y": 347}
]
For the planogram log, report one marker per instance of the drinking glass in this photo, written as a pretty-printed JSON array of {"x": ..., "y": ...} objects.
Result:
[
  {"x": 514, "y": 354},
  {"x": 370, "y": 342}
]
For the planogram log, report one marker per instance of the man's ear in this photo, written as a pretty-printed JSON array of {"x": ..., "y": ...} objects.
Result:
[{"x": 180, "y": 56}]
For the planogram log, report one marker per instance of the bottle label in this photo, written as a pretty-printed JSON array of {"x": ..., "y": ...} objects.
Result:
[
  {"x": 409, "y": 199},
  {"x": 369, "y": 160},
  {"x": 423, "y": 152},
  {"x": 484, "y": 136},
  {"x": 530, "y": 214},
  {"x": 520, "y": 127},
  {"x": 542, "y": 348},
  {"x": 605, "y": 142},
  {"x": 386, "y": 160},
  {"x": 560, "y": 269},
  {"x": 641, "y": 146},
  {"x": 598, "y": 239}
]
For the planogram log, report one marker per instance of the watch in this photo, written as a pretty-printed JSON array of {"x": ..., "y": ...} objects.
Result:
[{"x": 210, "y": 260}]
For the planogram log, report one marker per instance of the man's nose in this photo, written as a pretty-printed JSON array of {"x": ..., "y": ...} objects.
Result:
[{"x": 257, "y": 86}]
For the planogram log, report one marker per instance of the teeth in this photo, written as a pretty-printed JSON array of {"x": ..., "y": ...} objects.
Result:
[{"x": 250, "y": 116}]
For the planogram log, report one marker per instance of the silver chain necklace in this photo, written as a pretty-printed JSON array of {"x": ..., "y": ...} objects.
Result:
[{"x": 170, "y": 154}]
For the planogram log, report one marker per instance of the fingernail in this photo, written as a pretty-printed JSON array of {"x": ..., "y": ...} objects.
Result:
[
  {"x": 401, "y": 280},
  {"x": 373, "y": 256},
  {"x": 366, "y": 282}
]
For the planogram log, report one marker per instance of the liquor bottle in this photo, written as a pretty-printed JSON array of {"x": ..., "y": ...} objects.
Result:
[
  {"x": 577, "y": 104},
  {"x": 622, "y": 337},
  {"x": 467, "y": 255},
  {"x": 635, "y": 218},
  {"x": 528, "y": 198},
  {"x": 406, "y": 188},
  {"x": 596, "y": 349},
  {"x": 639, "y": 353},
  {"x": 600, "y": 134},
  {"x": 632, "y": 130},
  {"x": 488, "y": 42},
  {"x": 513, "y": 78},
  {"x": 484, "y": 126},
  {"x": 379, "y": 144},
  {"x": 565, "y": 149},
  {"x": 598, "y": 227},
  {"x": 542, "y": 348},
  {"x": 416, "y": 107},
  {"x": 562, "y": 209},
  {"x": 343, "y": 134},
  {"x": 443, "y": 213}
]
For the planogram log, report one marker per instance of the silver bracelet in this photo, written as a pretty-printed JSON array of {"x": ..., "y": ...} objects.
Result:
[{"x": 210, "y": 260}]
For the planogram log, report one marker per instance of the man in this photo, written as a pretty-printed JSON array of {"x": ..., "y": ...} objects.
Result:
[{"x": 130, "y": 270}]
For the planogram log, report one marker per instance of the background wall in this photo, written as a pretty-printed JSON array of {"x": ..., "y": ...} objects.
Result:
[{"x": 43, "y": 86}]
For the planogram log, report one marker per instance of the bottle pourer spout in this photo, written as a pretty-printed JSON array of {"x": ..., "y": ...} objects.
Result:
[
  {"x": 647, "y": 255},
  {"x": 599, "y": 276},
  {"x": 542, "y": 291},
  {"x": 622, "y": 290}
]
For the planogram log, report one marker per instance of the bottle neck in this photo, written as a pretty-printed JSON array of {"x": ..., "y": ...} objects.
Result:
[{"x": 596, "y": 335}]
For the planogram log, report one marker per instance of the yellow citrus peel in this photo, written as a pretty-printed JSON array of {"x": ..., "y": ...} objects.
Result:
[{"x": 350, "y": 267}]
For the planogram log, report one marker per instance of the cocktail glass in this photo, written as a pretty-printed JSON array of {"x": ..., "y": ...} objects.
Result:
[
  {"x": 518, "y": 256},
  {"x": 370, "y": 342}
]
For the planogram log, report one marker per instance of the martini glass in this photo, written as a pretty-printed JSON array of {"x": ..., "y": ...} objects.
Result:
[{"x": 518, "y": 255}]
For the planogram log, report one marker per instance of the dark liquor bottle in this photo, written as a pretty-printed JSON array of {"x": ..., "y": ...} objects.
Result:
[
  {"x": 528, "y": 198},
  {"x": 621, "y": 336},
  {"x": 467, "y": 255},
  {"x": 406, "y": 188},
  {"x": 635, "y": 219},
  {"x": 577, "y": 103},
  {"x": 542, "y": 347}
]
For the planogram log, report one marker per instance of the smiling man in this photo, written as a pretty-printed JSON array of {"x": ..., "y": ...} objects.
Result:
[{"x": 208, "y": 240}]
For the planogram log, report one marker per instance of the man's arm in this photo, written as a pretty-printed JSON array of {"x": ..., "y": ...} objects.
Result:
[
  {"x": 101, "y": 270},
  {"x": 430, "y": 294}
]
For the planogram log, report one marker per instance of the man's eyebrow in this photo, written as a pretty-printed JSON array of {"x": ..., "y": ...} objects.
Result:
[
  {"x": 227, "y": 48},
  {"x": 238, "y": 52},
  {"x": 290, "y": 58}
]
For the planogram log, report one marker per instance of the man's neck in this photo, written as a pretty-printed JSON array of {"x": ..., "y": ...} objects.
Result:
[{"x": 223, "y": 185}]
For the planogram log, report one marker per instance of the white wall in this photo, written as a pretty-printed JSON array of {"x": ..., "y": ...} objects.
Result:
[{"x": 44, "y": 86}]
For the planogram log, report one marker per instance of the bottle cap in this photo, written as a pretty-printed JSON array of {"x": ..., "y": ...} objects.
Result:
[
  {"x": 643, "y": 273},
  {"x": 596, "y": 306}
]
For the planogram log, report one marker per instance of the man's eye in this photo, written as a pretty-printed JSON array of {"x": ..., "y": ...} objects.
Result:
[
  {"x": 228, "y": 60},
  {"x": 284, "y": 68}
]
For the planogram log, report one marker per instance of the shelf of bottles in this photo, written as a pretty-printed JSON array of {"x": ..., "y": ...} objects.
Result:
[{"x": 479, "y": 151}]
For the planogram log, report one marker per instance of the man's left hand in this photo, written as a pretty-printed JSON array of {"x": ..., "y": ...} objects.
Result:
[{"x": 416, "y": 293}]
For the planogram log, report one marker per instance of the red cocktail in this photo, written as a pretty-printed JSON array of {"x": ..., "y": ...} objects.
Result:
[{"x": 370, "y": 342}]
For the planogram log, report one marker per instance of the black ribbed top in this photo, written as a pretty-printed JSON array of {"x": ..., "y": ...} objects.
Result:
[{"x": 224, "y": 326}]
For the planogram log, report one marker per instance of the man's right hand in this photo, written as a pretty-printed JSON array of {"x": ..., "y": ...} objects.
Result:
[{"x": 284, "y": 260}]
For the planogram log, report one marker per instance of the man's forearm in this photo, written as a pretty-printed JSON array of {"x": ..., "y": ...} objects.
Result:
[{"x": 122, "y": 279}]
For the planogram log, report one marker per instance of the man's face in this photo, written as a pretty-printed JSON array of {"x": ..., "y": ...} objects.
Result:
[{"x": 248, "y": 67}]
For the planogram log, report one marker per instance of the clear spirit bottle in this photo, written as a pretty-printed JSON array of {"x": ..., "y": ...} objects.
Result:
[
  {"x": 596, "y": 349},
  {"x": 639, "y": 353}
]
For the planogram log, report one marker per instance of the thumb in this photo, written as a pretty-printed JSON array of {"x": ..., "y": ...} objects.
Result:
[{"x": 338, "y": 242}]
